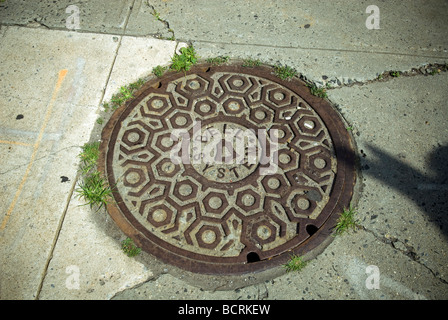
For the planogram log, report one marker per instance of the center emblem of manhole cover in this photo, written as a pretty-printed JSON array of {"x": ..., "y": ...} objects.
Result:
[{"x": 227, "y": 170}]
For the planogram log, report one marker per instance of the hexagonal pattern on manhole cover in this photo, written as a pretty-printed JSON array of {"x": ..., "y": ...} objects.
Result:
[{"x": 227, "y": 170}]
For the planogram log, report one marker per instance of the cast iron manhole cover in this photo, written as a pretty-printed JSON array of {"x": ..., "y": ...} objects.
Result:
[{"x": 227, "y": 170}]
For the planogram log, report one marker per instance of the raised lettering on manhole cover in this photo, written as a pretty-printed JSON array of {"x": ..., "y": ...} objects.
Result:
[{"x": 227, "y": 169}]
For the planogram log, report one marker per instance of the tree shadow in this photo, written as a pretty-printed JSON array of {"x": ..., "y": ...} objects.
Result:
[{"x": 428, "y": 190}]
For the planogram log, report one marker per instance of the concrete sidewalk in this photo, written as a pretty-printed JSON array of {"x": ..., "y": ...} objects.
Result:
[{"x": 54, "y": 81}]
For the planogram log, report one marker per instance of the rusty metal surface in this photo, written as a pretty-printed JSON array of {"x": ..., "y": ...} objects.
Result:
[{"x": 227, "y": 217}]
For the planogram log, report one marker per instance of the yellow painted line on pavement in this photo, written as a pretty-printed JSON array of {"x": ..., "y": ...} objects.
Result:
[
  {"x": 61, "y": 76},
  {"x": 17, "y": 143}
]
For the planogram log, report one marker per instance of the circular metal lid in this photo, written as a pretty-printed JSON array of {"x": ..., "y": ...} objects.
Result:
[{"x": 226, "y": 169}]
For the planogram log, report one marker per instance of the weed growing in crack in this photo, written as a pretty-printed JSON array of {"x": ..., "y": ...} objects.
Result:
[
  {"x": 130, "y": 248},
  {"x": 284, "y": 72},
  {"x": 172, "y": 38},
  {"x": 126, "y": 93},
  {"x": 185, "y": 60},
  {"x": 156, "y": 15},
  {"x": 250, "y": 63},
  {"x": 346, "y": 221},
  {"x": 134, "y": 86},
  {"x": 295, "y": 263},
  {"x": 318, "y": 92},
  {"x": 218, "y": 60},
  {"x": 395, "y": 74},
  {"x": 89, "y": 156},
  {"x": 435, "y": 71},
  {"x": 93, "y": 188},
  {"x": 159, "y": 71},
  {"x": 119, "y": 98},
  {"x": 106, "y": 106}
]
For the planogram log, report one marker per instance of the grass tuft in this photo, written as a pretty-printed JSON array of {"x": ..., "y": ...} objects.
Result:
[
  {"x": 159, "y": 71},
  {"x": 95, "y": 190},
  {"x": 130, "y": 248},
  {"x": 318, "y": 92},
  {"x": 185, "y": 60},
  {"x": 346, "y": 221},
  {"x": 296, "y": 263},
  {"x": 126, "y": 93},
  {"x": 250, "y": 63},
  {"x": 284, "y": 72},
  {"x": 218, "y": 60},
  {"x": 89, "y": 156}
]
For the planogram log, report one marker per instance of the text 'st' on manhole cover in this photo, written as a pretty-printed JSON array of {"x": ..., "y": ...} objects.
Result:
[{"x": 227, "y": 170}]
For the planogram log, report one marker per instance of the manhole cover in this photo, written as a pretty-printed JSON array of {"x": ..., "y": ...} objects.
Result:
[{"x": 226, "y": 169}]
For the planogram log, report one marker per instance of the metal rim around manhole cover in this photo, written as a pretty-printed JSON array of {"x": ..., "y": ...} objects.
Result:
[{"x": 226, "y": 169}]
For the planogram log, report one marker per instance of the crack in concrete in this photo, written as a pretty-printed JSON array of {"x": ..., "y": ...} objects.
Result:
[
  {"x": 135, "y": 286},
  {"x": 262, "y": 291},
  {"x": 335, "y": 83},
  {"x": 403, "y": 248},
  {"x": 52, "y": 154},
  {"x": 167, "y": 26},
  {"x": 430, "y": 69},
  {"x": 70, "y": 194},
  {"x": 41, "y": 23},
  {"x": 163, "y": 21}
]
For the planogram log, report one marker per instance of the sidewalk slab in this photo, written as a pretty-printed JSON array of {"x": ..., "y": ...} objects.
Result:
[
  {"x": 26, "y": 72},
  {"x": 89, "y": 242},
  {"x": 94, "y": 16},
  {"x": 339, "y": 273},
  {"x": 402, "y": 135},
  {"x": 52, "y": 89},
  {"x": 87, "y": 262},
  {"x": 135, "y": 60},
  {"x": 414, "y": 28},
  {"x": 327, "y": 42},
  {"x": 323, "y": 67},
  {"x": 142, "y": 21}
]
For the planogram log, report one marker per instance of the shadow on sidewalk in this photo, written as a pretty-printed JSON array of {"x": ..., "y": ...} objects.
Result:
[{"x": 429, "y": 191}]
